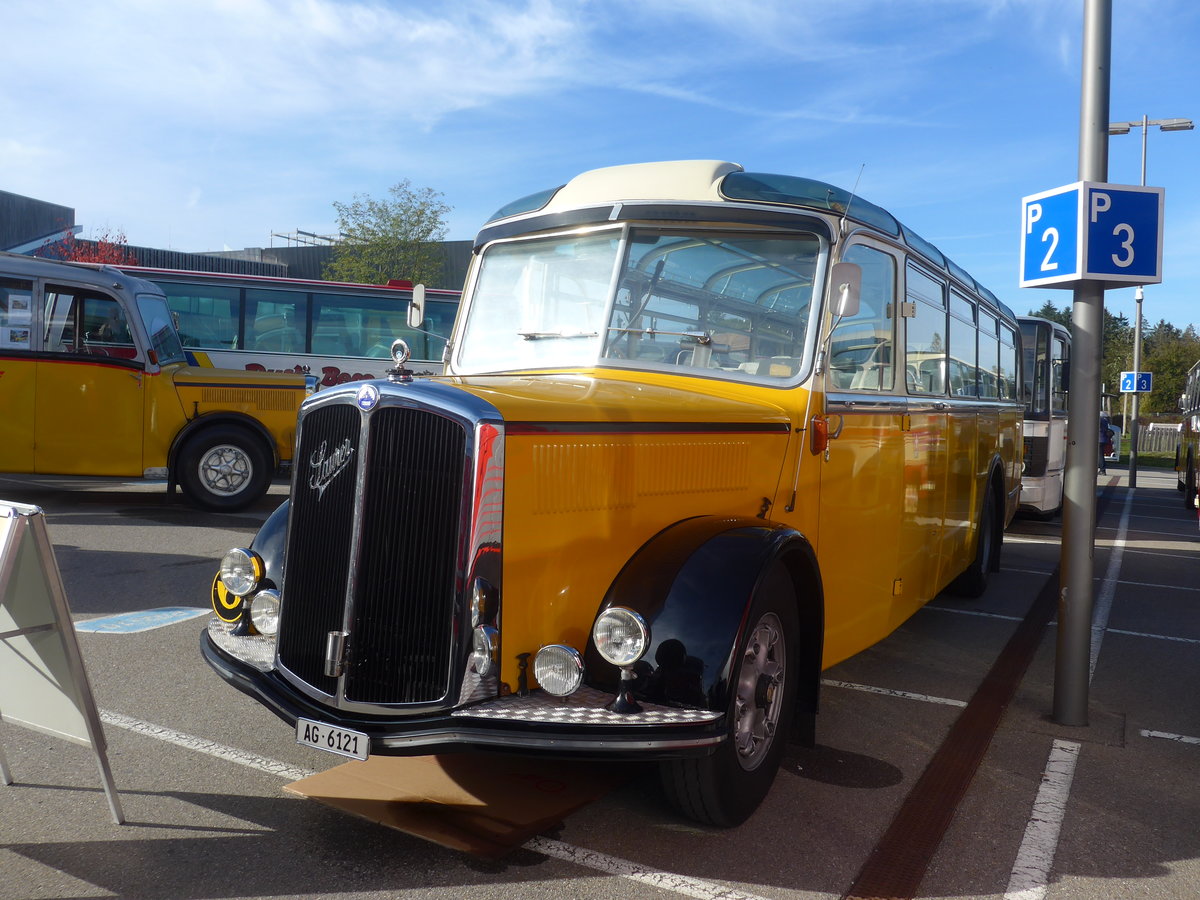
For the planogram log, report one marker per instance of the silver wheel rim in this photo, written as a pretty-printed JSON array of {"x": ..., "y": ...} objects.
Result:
[
  {"x": 225, "y": 470},
  {"x": 758, "y": 703}
]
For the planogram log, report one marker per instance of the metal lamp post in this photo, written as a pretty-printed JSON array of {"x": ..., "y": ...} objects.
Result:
[{"x": 1139, "y": 293}]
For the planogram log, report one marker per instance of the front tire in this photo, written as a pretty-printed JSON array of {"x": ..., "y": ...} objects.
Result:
[
  {"x": 724, "y": 789},
  {"x": 224, "y": 469}
]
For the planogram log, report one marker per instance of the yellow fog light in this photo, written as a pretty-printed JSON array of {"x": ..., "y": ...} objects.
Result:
[
  {"x": 241, "y": 571},
  {"x": 558, "y": 669},
  {"x": 264, "y": 612},
  {"x": 621, "y": 636}
]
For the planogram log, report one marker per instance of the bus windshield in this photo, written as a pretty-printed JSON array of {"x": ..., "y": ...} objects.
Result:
[
  {"x": 164, "y": 339},
  {"x": 728, "y": 304}
]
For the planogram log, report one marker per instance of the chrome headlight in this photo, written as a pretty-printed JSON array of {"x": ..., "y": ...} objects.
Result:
[
  {"x": 558, "y": 669},
  {"x": 264, "y": 612},
  {"x": 621, "y": 636},
  {"x": 483, "y": 649},
  {"x": 241, "y": 571}
]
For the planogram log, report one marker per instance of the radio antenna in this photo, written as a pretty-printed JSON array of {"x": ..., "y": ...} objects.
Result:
[{"x": 853, "y": 194}]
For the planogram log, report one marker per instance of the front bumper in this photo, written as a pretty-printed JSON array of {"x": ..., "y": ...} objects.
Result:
[{"x": 539, "y": 723}]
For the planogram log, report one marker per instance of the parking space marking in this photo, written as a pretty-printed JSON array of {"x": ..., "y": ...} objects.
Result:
[
  {"x": 141, "y": 620},
  {"x": 1157, "y": 637},
  {"x": 976, "y": 612},
  {"x": 200, "y": 745},
  {"x": 688, "y": 887},
  {"x": 1166, "y": 735},
  {"x": 610, "y": 865},
  {"x": 1031, "y": 871},
  {"x": 890, "y": 692}
]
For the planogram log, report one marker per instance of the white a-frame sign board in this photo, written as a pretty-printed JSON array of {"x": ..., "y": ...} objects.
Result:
[{"x": 43, "y": 685}]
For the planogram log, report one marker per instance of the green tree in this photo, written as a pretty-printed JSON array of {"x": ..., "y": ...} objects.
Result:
[
  {"x": 396, "y": 237},
  {"x": 1169, "y": 353}
]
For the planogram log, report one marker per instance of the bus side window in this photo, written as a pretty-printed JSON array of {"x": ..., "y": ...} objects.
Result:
[
  {"x": 861, "y": 347},
  {"x": 926, "y": 334}
]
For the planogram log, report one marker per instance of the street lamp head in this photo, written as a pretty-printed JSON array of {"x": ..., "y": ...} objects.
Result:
[
  {"x": 1121, "y": 127},
  {"x": 1176, "y": 125}
]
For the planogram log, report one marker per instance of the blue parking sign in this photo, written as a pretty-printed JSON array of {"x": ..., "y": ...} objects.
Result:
[
  {"x": 1137, "y": 382},
  {"x": 1090, "y": 231}
]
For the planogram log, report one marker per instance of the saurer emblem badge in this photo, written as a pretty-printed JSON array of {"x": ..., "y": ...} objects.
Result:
[{"x": 325, "y": 465}]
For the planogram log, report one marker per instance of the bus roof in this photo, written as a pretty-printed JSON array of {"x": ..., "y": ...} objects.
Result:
[{"x": 151, "y": 273}]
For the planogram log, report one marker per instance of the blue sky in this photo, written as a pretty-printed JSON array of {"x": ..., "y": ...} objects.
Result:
[{"x": 213, "y": 123}]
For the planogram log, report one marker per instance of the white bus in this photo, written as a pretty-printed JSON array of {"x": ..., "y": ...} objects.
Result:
[
  {"x": 1046, "y": 362},
  {"x": 337, "y": 331}
]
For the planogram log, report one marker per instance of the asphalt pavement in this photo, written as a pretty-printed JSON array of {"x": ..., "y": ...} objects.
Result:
[{"x": 1107, "y": 810}]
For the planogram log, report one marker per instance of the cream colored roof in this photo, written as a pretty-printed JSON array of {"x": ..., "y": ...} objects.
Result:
[{"x": 691, "y": 179}]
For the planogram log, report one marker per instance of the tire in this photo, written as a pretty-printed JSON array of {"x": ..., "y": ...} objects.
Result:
[
  {"x": 224, "y": 468},
  {"x": 1189, "y": 485},
  {"x": 724, "y": 789},
  {"x": 974, "y": 580}
]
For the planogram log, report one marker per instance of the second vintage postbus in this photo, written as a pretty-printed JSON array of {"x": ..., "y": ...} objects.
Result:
[
  {"x": 338, "y": 331},
  {"x": 703, "y": 433}
]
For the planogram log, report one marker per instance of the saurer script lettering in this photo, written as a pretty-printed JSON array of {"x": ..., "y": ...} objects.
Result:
[{"x": 326, "y": 466}]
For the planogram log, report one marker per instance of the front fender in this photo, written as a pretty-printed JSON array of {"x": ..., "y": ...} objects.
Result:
[{"x": 693, "y": 583}]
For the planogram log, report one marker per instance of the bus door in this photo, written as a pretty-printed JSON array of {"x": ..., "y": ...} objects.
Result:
[
  {"x": 926, "y": 440},
  {"x": 89, "y": 392},
  {"x": 861, "y": 493},
  {"x": 18, "y": 332}
]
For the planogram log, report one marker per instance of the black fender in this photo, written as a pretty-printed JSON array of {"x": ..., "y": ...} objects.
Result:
[
  {"x": 270, "y": 542},
  {"x": 692, "y": 583},
  {"x": 208, "y": 420}
]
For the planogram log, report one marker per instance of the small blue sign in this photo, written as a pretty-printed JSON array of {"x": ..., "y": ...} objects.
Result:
[
  {"x": 142, "y": 620},
  {"x": 1090, "y": 231},
  {"x": 1137, "y": 382}
]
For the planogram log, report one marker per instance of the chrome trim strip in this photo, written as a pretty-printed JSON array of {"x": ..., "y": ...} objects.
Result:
[{"x": 534, "y": 742}]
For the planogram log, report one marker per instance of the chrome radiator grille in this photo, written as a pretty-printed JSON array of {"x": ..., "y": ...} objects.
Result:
[{"x": 402, "y": 592}]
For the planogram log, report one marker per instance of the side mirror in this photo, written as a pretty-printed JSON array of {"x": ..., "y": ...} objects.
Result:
[
  {"x": 416, "y": 307},
  {"x": 845, "y": 289}
]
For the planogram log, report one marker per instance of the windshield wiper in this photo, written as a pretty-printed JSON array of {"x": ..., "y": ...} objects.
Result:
[{"x": 556, "y": 335}]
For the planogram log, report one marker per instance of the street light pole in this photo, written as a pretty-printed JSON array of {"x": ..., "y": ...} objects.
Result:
[{"x": 1139, "y": 294}]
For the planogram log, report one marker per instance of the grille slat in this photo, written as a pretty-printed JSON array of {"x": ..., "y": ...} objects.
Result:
[{"x": 402, "y": 634}]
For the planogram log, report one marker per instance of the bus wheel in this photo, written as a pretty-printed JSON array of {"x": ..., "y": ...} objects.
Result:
[
  {"x": 224, "y": 468},
  {"x": 973, "y": 581},
  {"x": 725, "y": 788},
  {"x": 1189, "y": 485}
]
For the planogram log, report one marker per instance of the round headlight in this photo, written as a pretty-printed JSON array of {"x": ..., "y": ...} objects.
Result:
[
  {"x": 264, "y": 612},
  {"x": 483, "y": 649},
  {"x": 621, "y": 636},
  {"x": 241, "y": 571},
  {"x": 558, "y": 669}
]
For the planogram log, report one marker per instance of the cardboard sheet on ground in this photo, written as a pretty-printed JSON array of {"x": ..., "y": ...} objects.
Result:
[{"x": 481, "y": 803}]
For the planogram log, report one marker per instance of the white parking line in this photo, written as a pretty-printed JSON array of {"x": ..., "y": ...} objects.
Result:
[
  {"x": 889, "y": 692},
  {"x": 1035, "y": 856},
  {"x": 610, "y": 865},
  {"x": 1166, "y": 735}
]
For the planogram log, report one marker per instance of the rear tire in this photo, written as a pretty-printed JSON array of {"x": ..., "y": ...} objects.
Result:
[
  {"x": 724, "y": 789},
  {"x": 973, "y": 582},
  {"x": 224, "y": 468}
]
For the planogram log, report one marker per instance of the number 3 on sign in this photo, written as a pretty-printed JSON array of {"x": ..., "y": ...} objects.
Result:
[{"x": 1101, "y": 203}]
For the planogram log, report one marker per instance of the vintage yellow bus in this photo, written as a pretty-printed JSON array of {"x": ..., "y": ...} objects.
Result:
[
  {"x": 703, "y": 433},
  {"x": 93, "y": 382}
]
